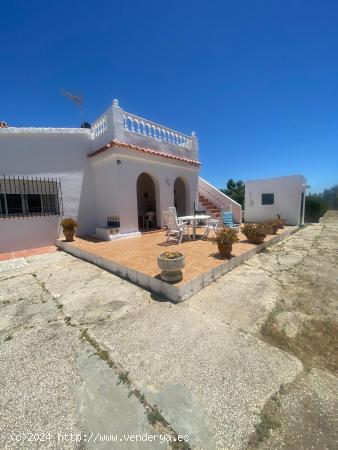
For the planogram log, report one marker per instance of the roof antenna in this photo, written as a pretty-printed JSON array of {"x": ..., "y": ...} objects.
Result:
[{"x": 76, "y": 99}]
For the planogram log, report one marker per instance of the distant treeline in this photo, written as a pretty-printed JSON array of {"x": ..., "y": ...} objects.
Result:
[{"x": 317, "y": 204}]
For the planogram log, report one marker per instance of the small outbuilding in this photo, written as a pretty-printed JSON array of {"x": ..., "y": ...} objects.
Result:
[{"x": 268, "y": 197}]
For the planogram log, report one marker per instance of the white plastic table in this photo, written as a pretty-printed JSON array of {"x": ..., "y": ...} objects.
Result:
[{"x": 193, "y": 220}]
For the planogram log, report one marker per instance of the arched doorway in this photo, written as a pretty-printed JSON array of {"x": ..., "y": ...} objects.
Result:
[
  {"x": 146, "y": 201},
  {"x": 180, "y": 197}
]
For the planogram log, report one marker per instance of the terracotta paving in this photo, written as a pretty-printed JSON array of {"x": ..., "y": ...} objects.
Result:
[
  {"x": 26, "y": 253},
  {"x": 140, "y": 253}
]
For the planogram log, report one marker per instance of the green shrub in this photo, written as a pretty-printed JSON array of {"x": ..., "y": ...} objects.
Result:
[
  {"x": 225, "y": 236},
  {"x": 254, "y": 229},
  {"x": 69, "y": 224}
]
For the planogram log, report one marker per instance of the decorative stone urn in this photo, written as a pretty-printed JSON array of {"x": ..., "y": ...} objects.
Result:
[{"x": 171, "y": 265}]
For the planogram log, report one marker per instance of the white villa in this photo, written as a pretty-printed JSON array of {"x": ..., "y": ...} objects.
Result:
[{"x": 107, "y": 177}]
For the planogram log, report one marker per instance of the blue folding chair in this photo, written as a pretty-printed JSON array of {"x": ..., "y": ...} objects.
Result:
[{"x": 228, "y": 220}]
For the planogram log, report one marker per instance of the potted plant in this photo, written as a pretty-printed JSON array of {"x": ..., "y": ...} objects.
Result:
[
  {"x": 69, "y": 226},
  {"x": 271, "y": 226},
  {"x": 171, "y": 265},
  {"x": 224, "y": 238},
  {"x": 254, "y": 232},
  {"x": 280, "y": 221}
]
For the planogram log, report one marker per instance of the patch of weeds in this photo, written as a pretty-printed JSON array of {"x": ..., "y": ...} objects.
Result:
[
  {"x": 102, "y": 354},
  {"x": 263, "y": 428},
  {"x": 68, "y": 321},
  {"x": 34, "y": 275},
  {"x": 8, "y": 338},
  {"x": 124, "y": 378},
  {"x": 138, "y": 394},
  {"x": 154, "y": 416},
  {"x": 60, "y": 306},
  {"x": 6, "y": 302},
  {"x": 269, "y": 420}
]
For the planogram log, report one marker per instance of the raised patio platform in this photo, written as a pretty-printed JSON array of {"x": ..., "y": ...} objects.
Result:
[{"x": 135, "y": 259}]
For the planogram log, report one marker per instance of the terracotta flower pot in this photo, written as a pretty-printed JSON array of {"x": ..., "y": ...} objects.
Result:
[
  {"x": 225, "y": 250},
  {"x": 256, "y": 239},
  {"x": 69, "y": 235}
]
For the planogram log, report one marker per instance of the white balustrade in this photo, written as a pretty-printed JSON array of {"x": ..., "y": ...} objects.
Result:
[
  {"x": 139, "y": 125},
  {"x": 100, "y": 126}
]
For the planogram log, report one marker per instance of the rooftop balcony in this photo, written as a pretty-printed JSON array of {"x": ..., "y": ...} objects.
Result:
[{"x": 126, "y": 127}]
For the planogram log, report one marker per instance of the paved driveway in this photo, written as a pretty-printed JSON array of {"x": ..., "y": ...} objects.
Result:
[{"x": 89, "y": 360}]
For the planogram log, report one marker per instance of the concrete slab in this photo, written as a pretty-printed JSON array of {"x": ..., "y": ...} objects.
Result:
[
  {"x": 231, "y": 374},
  {"x": 12, "y": 264},
  {"x": 109, "y": 417}
]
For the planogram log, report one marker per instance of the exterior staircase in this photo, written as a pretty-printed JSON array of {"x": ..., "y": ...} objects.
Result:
[
  {"x": 213, "y": 201},
  {"x": 210, "y": 208}
]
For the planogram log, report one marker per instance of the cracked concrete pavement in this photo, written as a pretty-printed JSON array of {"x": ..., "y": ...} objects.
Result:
[{"x": 233, "y": 367}]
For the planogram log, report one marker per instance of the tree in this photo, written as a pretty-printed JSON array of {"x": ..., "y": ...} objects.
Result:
[
  {"x": 315, "y": 207},
  {"x": 235, "y": 190},
  {"x": 331, "y": 197}
]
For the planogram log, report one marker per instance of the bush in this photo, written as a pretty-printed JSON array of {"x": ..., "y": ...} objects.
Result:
[
  {"x": 69, "y": 224},
  {"x": 254, "y": 229},
  {"x": 225, "y": 236},
  {"x": 271, "y": 226},
  {"x": 315, "y": 208}
]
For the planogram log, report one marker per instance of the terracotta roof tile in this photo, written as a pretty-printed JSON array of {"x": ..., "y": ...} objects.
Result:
[{"x": 149, "y": 151}]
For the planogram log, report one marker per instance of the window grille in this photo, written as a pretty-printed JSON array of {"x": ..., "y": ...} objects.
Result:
[
  {"x": 29, "y": 197},
  {"x": 268, "y": 199}
]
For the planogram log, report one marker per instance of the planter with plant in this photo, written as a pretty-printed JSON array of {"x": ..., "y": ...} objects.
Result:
[
  {"x": 254, "y": 232},
  {"x": 271, "y": 226},
  {"x": 69, "y": 226},
  {"x": 280, "y": 221},
  {"x": 171, "y": 265},
  {"x": 224, "y": 238}
]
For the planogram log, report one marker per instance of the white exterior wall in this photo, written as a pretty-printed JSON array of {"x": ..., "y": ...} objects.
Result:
[
  {"x": 116, "y": 192},
  {"x": 27, "y": 232},
  {"x": 287, "y": 199},
  {"x": 56, "y": 153}
]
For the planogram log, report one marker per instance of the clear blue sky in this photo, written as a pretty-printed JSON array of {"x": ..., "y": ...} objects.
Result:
[{"x": 256, "y": 79}]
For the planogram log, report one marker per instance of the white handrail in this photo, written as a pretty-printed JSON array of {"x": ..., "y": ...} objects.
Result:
[
  {"x": 221, "y": 199},
  {"x": 219, "y": 193},
  {"x": 137, "y": 124}
]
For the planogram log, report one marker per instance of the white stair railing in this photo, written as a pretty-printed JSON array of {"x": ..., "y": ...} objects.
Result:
[{"x": 220, "y": 200}]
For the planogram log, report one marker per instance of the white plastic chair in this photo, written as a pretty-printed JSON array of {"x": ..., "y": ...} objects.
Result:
[
  {"x": 172, "y": 209},
  {"x": 175, "y": 228},
  {"x": 211, "y": 224}
]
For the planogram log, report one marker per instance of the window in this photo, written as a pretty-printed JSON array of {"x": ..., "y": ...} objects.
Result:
[
  {"x": 34, "y": 203},
  {"x": 268, "y": 199},
  {"x": 22, "y": 197},
  {"x": 49, "y": 203},
  {"x": 14, "y": 204},
  {"x": 2, "y": 204}
]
